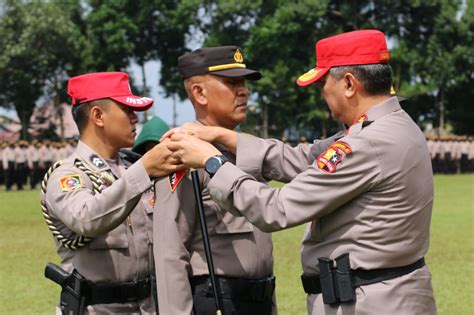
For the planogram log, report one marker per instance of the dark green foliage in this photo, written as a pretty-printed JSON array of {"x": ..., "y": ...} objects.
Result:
[
  {"x": 45, "y": 42},
  {"x": 37, "y": 39},
  {"x": 431, "y": 43}
]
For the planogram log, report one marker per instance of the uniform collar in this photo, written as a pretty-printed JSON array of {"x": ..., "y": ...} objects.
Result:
[
  {"x": 381, "y": 109},
  {"x": 91, "y": 158},
  {"x": 375, "y": 112}
]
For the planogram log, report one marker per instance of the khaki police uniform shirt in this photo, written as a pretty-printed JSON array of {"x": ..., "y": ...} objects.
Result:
[
  {"x": 119, "y": 219},
  {"x": 431, "y": 148},
  {"x": 456, "y": 150},
  {"x": 46, "y": 154},
  {"x": 33, "y": 156},
  {"x": 21, "y": 155},
  {"x": 436, "y": 149},
  {"x": 239, "y": 249},
  {"x": 471, "y": 150},
  {"x": 8, "y": 155},
  {"x": 376, "y": 205},
  {"x": 464, "y": 148}
]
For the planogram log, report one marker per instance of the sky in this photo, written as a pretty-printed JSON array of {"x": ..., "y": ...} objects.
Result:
[{"x": 162, "y": 107}]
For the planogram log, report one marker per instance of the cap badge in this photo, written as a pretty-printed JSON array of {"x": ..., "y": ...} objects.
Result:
[
  {"x": 392, "y": 91},
  {"x": 384, "y": 55},
  {"x": 238, "y": 57},
  {"x": 311, "y": 74}
]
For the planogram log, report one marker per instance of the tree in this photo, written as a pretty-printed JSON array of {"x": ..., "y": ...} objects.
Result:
[
  {"x": 278, "y": 36},
  {"x": 151, "y": 30},
  {"x": 37, "y": 39}
]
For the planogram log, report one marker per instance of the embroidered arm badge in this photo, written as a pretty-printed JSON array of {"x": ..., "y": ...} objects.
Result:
[
  {"x": 329, "y": 159},
  {"x": 70, "y": 182}
]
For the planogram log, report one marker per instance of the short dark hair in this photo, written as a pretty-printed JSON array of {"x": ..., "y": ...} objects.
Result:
[
  {"x": 80, "y": 113},
  {"x": 375, "y": 78}
]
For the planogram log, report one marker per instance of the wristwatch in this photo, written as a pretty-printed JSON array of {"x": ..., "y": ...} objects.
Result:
[{"x": 213, "y": 164}]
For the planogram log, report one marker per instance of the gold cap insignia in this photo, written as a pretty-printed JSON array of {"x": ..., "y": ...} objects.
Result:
[
  {"x": 384, "y": 55},
  {"x": 238, "y": 57}
]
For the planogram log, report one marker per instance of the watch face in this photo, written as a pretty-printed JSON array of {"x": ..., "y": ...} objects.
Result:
[{"x": 213, "y": 164}]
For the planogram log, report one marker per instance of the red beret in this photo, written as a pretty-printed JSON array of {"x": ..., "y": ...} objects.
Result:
[
  {"x": 114, "y": 85},
  {"x": 352, "y": 48}
]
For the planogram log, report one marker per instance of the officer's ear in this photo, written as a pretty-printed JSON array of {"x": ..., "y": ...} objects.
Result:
[
  {"x": 350, "y": 85},
  {"x": 96, "y": 115},
  {"x": 199, "y": 93}
]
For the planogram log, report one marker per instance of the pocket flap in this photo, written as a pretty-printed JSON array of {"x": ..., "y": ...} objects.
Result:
[
  {"x": 117, "y": 238},
  {"x": 229, "y": 224}
]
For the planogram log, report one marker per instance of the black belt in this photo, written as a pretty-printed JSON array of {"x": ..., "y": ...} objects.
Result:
[
  {"x": 312, "y": 283},
  {"x": 255, "y": 290},
  {"x": 104, "y": 293}
]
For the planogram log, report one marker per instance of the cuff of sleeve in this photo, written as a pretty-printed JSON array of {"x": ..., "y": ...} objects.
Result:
[
  {"x": 245, "y": 155},
  {"x": 221, "y": 184},
  {"x": 137, "y": 176}
]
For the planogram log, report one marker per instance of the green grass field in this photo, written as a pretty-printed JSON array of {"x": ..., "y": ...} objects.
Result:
[{"x": 26, "y": 246}]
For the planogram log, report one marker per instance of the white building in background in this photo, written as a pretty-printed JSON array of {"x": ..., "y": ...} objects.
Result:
[
  {"x": 57, "y": 118},
  {"x": 9, "y": 128}
]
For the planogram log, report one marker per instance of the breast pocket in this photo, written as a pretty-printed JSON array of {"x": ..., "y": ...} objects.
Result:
[
  {"x": 229, "y": 224},
  {"x": 117, "y": 238}
]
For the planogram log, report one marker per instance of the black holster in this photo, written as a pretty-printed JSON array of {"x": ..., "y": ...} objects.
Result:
[
  {"x": 337, "y": 284},
  {"x": 73, "y": 301}
]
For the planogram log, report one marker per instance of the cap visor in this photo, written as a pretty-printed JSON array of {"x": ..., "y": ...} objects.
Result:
[
  {"x": 239, "y": 72},
  {"x": 312, "y": 76},
  {"x": 137, "y": 103}
]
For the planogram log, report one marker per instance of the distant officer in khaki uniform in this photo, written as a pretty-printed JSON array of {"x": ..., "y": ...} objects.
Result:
[
  {"x": 33, "y": 163},
  {"x": 97, "y": 194},
  {"x": 470, "y": 155},
  {"x": 8, "y": 161},
  {"x": 214, "y": 79},
  {"x": 368, "y": 197},
  {"x": 3, "y": 146},
  {"x": 21, "y": 166},
  {"x": 46, "y": 155}
]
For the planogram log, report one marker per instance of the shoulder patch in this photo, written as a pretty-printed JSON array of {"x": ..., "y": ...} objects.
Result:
[
  {"x": 329, "y": 159},
  {"x": 176, "y": 178},
  {"x": 70, "y": 182}
]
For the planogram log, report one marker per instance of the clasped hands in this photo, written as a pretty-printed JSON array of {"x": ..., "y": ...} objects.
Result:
[{"x": 191, "y": 145}]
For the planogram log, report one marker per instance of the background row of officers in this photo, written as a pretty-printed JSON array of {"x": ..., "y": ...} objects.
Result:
[
  {"x": 452, "y": 155},
  {"x": 22, "y": 160}
]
